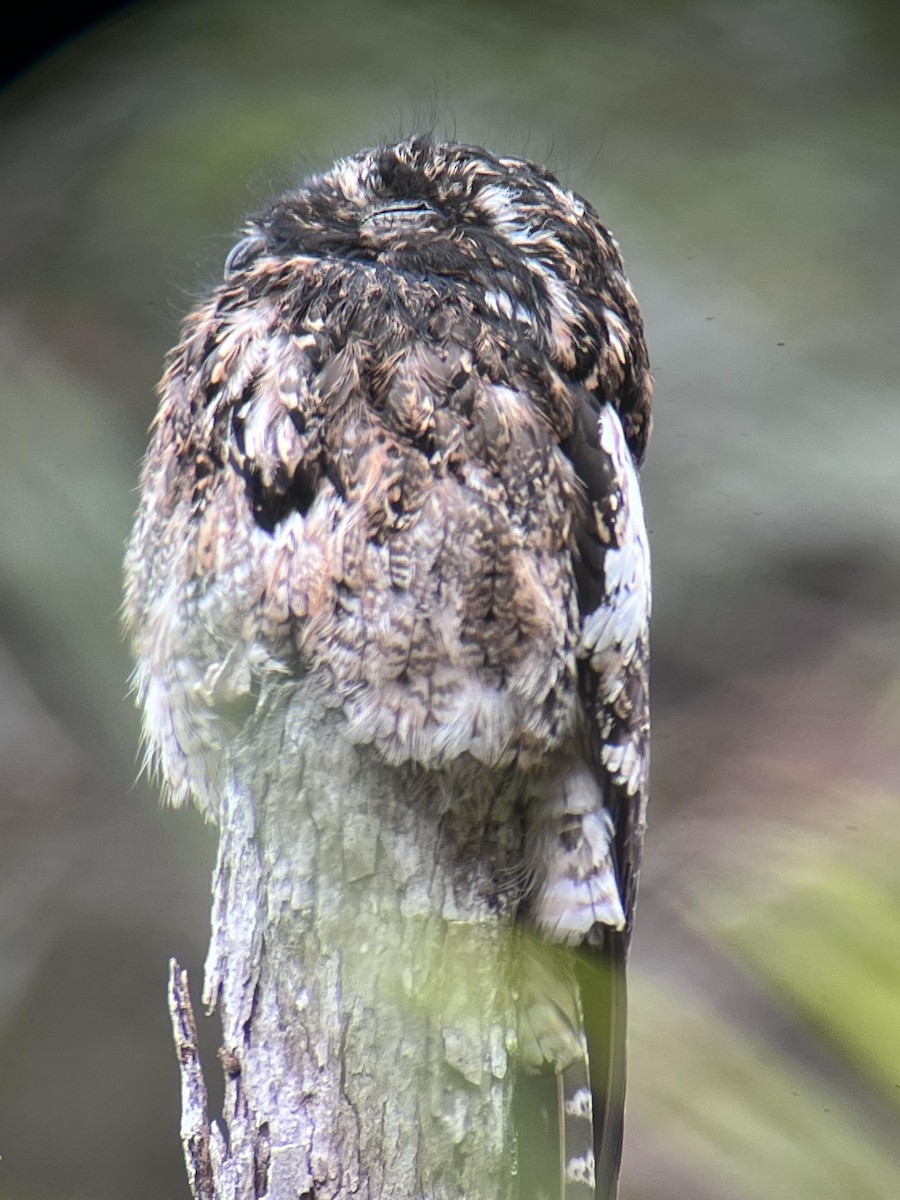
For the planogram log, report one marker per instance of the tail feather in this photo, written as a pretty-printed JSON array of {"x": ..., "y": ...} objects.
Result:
[
  {"x": 574, "y": 1129},
  {"x": 601, "y": 978},
  {"x": 571, "y": 1096}
]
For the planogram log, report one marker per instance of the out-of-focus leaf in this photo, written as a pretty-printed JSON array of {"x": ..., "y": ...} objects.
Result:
[
  {"x": 757, "y": 1125},
  {"x": 829, "y": 940}
]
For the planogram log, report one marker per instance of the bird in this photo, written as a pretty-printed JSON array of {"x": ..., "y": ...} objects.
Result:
[{"x": 398, "y": 451}]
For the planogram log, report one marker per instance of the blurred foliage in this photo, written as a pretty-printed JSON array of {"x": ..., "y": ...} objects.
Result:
[
  {"x": 763, "y": 1127},
  {"x": 747, "y": 156},
  {"x": 827, "y": 936}
]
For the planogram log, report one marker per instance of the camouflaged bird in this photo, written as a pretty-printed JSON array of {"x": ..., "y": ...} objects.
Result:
[{"x": 398, "y": 450}]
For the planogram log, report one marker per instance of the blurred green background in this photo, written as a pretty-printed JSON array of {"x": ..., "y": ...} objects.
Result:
[{"x": 747, "y": 155}]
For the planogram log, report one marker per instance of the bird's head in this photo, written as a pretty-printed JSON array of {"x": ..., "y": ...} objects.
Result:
[{"x": 502, "y": 229}]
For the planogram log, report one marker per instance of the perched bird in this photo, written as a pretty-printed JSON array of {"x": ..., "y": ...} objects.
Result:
[{"x": 398, "y": 451}]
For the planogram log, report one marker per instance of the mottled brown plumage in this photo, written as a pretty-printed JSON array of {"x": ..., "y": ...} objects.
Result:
[{"x": 396, "y": 453}]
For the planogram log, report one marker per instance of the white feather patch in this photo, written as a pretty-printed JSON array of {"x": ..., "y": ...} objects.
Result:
[{"x": 611, "y": 631}]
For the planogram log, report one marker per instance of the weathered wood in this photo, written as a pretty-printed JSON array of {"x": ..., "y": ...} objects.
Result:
[
  {"x": 196, "y": 1133},
  {"x": 361, "y": 960}
]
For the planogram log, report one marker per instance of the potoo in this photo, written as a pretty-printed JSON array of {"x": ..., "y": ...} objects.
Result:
[{"x": 396, "y": 458}]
